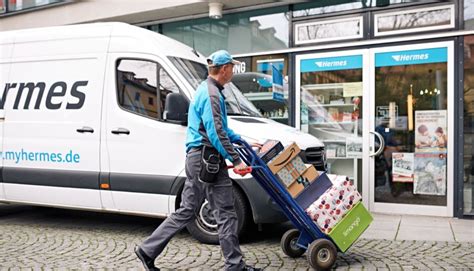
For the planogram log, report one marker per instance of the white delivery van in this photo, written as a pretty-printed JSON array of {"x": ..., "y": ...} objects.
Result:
[{"x": 93, "y": 117}]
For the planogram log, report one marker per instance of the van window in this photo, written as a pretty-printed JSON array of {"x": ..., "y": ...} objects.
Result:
[
  {"x": 195, "y": 73},
  {"x": 142, "y": 87}
]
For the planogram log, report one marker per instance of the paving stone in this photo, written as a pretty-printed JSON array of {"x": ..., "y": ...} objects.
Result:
[{"x": 50, "y": 239}]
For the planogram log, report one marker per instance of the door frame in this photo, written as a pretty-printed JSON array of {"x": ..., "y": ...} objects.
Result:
[{"x": 415, "y": 209}]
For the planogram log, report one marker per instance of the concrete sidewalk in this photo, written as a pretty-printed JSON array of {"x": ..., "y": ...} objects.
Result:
[{"x": 421, "y": 228}]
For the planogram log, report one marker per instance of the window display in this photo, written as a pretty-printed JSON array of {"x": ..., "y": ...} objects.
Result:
[
  {"x": 411, "y": 116},
  {"x": 331, "y": 101}
]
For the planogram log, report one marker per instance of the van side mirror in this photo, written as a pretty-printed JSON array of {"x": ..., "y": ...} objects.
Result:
[{"x": 176, "y": 109}]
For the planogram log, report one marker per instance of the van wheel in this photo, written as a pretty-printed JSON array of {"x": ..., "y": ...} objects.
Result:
[{"x": 204, "y": 227}]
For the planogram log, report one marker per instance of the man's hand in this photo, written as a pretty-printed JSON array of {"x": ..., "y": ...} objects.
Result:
[
  {"x": 242, "y": 169},
  {"x": 240, "y": 166}
]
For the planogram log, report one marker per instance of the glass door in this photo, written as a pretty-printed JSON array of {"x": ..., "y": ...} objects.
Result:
[
  {"x": 411, "y": 121},
  {"x": 330, "y": 105}
]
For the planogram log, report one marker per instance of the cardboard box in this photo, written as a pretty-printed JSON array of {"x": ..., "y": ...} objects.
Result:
[
  {"x": 348, "y": 230},
  {"x": 292, "y": 170},
  {"x": 312, "y": 193},
  {"x": 283, "y": 158},
  {"x": 270, "y": 149},
  {"x": 310, "y": 175},
  {"x": 331, "y": 207}
]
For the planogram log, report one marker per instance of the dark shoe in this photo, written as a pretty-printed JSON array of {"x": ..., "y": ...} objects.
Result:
[
  {"x": 250, "y": 268},
  {"x": 147, "y": 262}
]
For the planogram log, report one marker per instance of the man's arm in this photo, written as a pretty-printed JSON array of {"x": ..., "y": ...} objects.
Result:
[{"x": 213, "y": 123}]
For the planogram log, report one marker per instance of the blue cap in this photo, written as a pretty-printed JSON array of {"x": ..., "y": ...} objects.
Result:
[{"x": 219, "y": 58}]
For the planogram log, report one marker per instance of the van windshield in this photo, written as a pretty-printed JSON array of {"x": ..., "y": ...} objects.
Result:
[{"x": 236, "y": 103}]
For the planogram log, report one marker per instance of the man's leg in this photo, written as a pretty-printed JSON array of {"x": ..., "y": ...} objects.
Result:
[
  {"x": 192, "y": 196},
  {"x": 221, "y": 200}
]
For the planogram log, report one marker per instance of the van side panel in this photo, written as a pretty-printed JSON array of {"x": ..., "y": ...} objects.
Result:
[
  {"x": 6, "y": 48},
  {"x": 52, "y": 122}
]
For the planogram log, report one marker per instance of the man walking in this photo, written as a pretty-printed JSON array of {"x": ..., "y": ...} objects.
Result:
[{"x": 208, "y": 144}]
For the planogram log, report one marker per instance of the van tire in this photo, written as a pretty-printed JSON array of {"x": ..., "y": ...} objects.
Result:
[{"x": 208, "y": 235}]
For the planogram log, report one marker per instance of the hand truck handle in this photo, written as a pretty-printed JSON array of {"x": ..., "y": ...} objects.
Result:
[{"x": 241, "y": 172}]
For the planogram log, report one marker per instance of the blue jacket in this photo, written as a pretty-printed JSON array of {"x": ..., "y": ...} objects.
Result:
[{"x": 207, "y": 121}]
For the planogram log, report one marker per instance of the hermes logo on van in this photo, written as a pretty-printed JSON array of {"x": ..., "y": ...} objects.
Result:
[
  {"x": 53, "y": 101},
  {"x": 322, "y": 64},
  {"x": 410, "y": 57}
]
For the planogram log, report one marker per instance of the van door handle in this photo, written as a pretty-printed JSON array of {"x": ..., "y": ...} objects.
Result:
[
  {"x": 121, "y": 131},
  {"x": 85, "y": 129}
]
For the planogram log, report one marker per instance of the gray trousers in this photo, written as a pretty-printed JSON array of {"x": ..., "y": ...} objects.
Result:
[{"x": 221, "y": 201}]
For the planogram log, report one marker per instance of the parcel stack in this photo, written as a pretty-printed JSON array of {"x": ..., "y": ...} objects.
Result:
[{"x": 331, "y": 201}]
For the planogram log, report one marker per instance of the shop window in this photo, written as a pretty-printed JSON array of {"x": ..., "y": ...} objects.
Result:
[
  {"x": 257, "y": 79},
  {"x": 2, "y": 6},
  {"x": 469, "y": 14},
  {"x": 468, "y": 180},
  {"x": 137, "y": 84},
  {"x": 414, "y": 20},
  {"x": 411, "y": 102},
  {"x": 245, "y": 32},
  {"x": 17, "y": 5}
]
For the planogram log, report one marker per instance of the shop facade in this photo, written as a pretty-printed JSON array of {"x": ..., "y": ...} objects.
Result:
[{"x": 385, "y": 86}]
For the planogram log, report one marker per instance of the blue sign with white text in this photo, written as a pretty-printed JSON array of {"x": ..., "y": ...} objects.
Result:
[
  {"x": 411, "y": 57},
  {"x": 277, "y": 84},
  {"x": 331, "y": 63}
]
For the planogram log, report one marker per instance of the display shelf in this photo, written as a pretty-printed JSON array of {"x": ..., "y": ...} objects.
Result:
[
  {"x": 337, "y": 105},
  {"x": 335, "y": 140},
  {"x": 331, "y": 123},
  {"x": 278, "y": 118}
]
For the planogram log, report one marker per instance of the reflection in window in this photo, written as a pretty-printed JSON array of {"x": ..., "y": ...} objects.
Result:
[
  {"x": 469, "y": 14},
  {"x": 195, "y": 73},
  {"x": 469, "y": 125},
  {"x": 16, "y": 5},
  {"x": 2, "y": 6},
  {"x": 330, "y": 6},
  {"x": 330, "y": 30},
  {"x": 415, "y": 20},
  {"x": 255, "y": 81},
  {"x": 244, "y": 32},
  {"x": 137, "y": 83}
]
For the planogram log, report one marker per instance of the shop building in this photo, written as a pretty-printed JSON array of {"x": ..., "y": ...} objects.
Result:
[{"x": 388, "y": 85}]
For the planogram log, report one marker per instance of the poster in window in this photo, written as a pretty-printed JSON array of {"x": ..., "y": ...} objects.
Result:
[
  {"x": 430, "y": 174},
  {"x": 403, "y": 164},
  {"x": 354, "y": 147},
  {"x": 430, "y": 131}
]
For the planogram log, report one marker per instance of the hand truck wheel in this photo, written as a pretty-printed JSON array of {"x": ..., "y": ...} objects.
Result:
[
  {"x": 322, "y": 254},
  {"x": 288, "y": 244}
]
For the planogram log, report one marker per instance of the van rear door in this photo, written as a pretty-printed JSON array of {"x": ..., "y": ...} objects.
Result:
[{"x": 52, "y": 118}]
